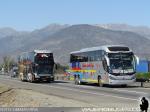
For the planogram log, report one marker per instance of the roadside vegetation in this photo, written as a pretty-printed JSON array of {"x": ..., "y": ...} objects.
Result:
[
  {"x": 143, "y": 76},
  {"x": 60, "y": 69},
  {"x": 7, "y": 64}
]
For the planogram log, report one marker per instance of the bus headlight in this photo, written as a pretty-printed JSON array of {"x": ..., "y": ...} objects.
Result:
[
  {"x": 36, "y": 75},
  {"x": 112, "y": 78},
  {"x": 133, "y": 77}
]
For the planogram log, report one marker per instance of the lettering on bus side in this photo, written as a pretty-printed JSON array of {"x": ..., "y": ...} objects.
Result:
[{"x": 87, "y": 65}]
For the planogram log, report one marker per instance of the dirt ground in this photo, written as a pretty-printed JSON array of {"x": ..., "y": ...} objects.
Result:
[{"x": 27, "y": 98}]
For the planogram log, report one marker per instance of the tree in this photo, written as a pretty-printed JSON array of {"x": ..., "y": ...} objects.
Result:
[
  {"x": 8, "y": 63},
  {"x": 61, "y": 69}
]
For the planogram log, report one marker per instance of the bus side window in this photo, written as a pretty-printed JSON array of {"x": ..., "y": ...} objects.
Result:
[{"x": 91, "y": 58}]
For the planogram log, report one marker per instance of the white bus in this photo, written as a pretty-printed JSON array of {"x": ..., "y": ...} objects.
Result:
[{"x": 110, "y": 64}]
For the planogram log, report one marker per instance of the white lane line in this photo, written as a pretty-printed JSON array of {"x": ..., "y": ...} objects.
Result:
[
  {"x": 143, "y": 88},
  {"x": 94, "y": 93},
  {"x": 127, "y": 91},
  {"x": 79, "y": 86}
]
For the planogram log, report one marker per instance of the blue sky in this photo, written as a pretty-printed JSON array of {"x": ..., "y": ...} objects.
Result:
[{"x": 34, "y": 14}]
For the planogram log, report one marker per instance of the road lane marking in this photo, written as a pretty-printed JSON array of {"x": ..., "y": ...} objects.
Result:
[
  {"x": 94, "y": 93},
  {"x": 119, "y": 90},
  {"x": 143, "y": 88},
  {"x": 79, "y": 86},
  {"x": 105, "y": 89}
]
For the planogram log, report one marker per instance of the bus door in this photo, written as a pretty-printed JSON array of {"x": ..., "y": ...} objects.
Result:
[
  {"x": 104, "y": 72},
  {"x": 76, "y": 68}
]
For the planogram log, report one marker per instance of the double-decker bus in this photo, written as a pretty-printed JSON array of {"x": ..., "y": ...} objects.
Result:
[
  {"x": 110, "y": 64},
  {"x": 36, "y": 65}
]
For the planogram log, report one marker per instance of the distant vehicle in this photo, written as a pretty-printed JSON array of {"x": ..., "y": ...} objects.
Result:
[
  {"x": 111, "y": 64},
  {"x": 14, "y": 71},
  {"x": 2, "y": 71},
  {"x": 37, "y": 65}
]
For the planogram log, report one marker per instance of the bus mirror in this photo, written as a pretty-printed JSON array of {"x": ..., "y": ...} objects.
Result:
[
  {"x": 56, "y": 67},
  {"x": 107, "y": 60},
  {"x": 108, "y": 68},
  {"x": 137, "y": 59}
]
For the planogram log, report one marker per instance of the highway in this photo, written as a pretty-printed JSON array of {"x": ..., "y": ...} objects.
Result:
[{"x": 91, "y": 94}]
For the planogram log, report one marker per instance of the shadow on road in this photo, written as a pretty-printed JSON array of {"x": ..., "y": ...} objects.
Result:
[
  {"x": 45, "y": 82},
  {"x": 121, "y": 86},
  {"x": 57, "y": 81},
  {"x": 111, "y": 86}
]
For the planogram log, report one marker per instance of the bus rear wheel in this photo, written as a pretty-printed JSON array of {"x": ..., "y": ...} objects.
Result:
[
  {"x": 77, "y": 80},
  {"x": 100, "y": 84}
]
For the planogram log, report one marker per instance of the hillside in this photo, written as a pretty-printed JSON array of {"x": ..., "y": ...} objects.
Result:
[
  {"x": 142, "y": 30},
  {"x": 65, "y": 39},
  {"x": 81, "y": 36}
]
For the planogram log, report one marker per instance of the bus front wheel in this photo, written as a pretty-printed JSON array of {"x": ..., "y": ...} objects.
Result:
[
  {"x": 100, "y": 84},
  {"x": 30, "y": 77}
]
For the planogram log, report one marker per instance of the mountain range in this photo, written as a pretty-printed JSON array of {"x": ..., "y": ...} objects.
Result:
[{"x": 62, "y": 39}]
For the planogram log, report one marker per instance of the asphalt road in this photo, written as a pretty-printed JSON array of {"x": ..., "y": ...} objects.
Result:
[{"x": 128, "y": 97}]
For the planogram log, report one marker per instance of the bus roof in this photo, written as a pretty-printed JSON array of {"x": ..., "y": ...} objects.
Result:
[
  {"x": 35, "y": 51},
  {"x": 105, "y": 48},
  {"x": 38, "y": 51},
  {"x": 42, "y": 51}
]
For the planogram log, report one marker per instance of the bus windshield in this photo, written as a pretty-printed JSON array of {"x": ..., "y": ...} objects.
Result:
[
  {"x": 44, "y": 59},
  {"x": 45, "y": 63},
  {"x": 121, "y": 62},
  {"x": 44, "y": 69}
]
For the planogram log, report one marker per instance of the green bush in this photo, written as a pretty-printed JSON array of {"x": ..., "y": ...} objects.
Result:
[
  {"x": 60, "y": 69},
  {"x": 143, "y": 75}
]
